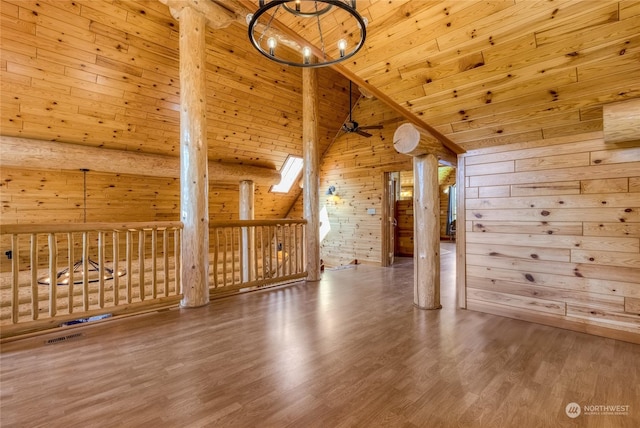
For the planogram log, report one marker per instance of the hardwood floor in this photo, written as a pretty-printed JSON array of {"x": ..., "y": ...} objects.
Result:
[{"x": 349, "y": 351}]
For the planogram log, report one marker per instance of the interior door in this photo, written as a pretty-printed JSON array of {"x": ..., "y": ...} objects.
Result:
[
  {"x": 392, "y": 183},
  {"x": 387, "y": 219}
]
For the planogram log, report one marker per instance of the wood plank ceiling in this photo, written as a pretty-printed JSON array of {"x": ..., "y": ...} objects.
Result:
[{"x": 104, "y": 73}]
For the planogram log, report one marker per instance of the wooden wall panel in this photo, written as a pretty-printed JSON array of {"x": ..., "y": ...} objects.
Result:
[
  {"x": 105, "y": 74},
  {"x": 354, "y": 165},
  {"x": 32, "y": 196},
  {"x": 560, "y": 242},
  {"x": 404, "y": 231}
]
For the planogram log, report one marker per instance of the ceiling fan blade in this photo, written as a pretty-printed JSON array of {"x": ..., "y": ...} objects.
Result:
[
  {"x": 371, "y": 127},
  {"x": 364, "y": 134}
]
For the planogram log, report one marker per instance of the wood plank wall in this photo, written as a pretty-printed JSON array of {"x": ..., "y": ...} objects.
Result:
[
  {"x": 404, "y": 231},
  {"x": 553, "y": 233},
  {"x": 355, "y": 166},
  {"x": 36, "y": 196},
  {"x": 105, "y": 74}
]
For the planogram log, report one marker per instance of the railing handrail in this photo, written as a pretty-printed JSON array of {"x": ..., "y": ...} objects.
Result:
[
  {"x": 107, "y": 227},
  {"x": 88, "y": 227},
  {"x": 249, "y": 223}
]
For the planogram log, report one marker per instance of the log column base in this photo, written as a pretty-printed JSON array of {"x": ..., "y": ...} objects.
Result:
[
  {"x": 427, "y": 309},
  {"x": 183, "y": 306}
]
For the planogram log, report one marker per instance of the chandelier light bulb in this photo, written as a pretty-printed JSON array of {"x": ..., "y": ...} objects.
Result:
[
  {"x": 272, "y": 43},
  {"x": 342, "y": 47},
  {"x": 297, "y": 5},
  {"x": 306, "y": 54}
]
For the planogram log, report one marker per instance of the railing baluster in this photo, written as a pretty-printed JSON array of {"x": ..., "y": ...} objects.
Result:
[
  {"x": 70, "y": 266},
  {"x": 85, "y": 271},
  {"x": 286, "y": 270},
  {"x": 303, "y": 257},
  {"x": 294, "y": 248},
  {"x": 235, "y": 252},
  {"x": 154, "y": 262},
  {"x": 35, "y": 307},
  {"x": 141, "y": 264},
  {"x": 254, "y": 258},
  {"x": 15, "y": 283},
  {"x": 116, "y": 268},
  {"x": 279, "y": 252},
  {"x": 129, "y": 256},
  {"x": 233, "y": 255},
  {"x": 265, "y": 239},
  {"x": 300, "y": 250},
  {"x": 216, "y": 250},
  {"x": 285, "y": 250},
  {"x": 224, "y": 258},
  {"x": 177, "y": 245},
  {"x": 289, "y": 263},
  {"x": 270, "y": 251},
  {"x": 165, "y": 260},
  {"x": 53, "y": 275},
  {"x": 101, "y": 270}
]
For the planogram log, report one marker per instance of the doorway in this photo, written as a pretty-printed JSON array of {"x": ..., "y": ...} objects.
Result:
[
  {"x": 397, "y": 239},
  {"x": 397, "y": 215}
]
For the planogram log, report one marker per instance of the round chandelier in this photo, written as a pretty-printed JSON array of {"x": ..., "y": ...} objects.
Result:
[{"x": 331, "y": 31}]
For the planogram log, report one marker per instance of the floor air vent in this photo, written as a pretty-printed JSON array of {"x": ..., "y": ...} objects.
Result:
[{"x": 63, "y": 338}]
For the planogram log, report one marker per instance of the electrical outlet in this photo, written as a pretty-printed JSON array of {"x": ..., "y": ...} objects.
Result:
[{"x": 371, "y": 211}]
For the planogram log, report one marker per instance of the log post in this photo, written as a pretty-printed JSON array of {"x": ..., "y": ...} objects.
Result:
[
  {"x": 194, "y": 188},
  {"x": 247, "y": 193},
  {"x": 426, "y": 218},
  {"x": 426, "y": 226},
  {"x": 311, "y": 156}
]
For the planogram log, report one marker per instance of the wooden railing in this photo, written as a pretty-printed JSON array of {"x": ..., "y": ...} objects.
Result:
[
  {"x": 58, "y": 273},
  {"x": 252, "y": 253}
]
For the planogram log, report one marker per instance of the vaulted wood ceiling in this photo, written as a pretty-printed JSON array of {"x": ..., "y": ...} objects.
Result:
[{"x": 104, "y": 73}]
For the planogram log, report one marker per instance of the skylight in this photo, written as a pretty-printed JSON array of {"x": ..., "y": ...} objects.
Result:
[{"x": 289, "y": 174}]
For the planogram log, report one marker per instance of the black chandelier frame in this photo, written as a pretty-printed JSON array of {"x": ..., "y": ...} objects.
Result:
[{"x": 349, "y": 6}]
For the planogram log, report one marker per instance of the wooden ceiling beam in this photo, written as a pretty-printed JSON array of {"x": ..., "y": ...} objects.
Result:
[{"x": 51, "y": 155}]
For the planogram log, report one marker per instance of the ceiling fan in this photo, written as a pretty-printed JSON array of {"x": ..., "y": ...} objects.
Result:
[{"x": 351, "y": 125}]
